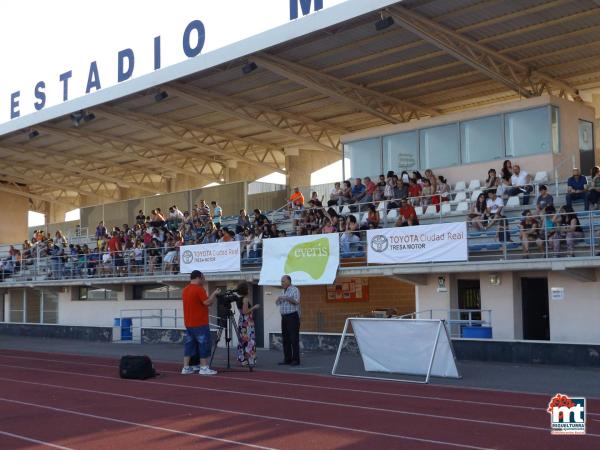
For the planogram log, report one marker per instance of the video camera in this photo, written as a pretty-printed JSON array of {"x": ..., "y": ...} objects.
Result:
[{"x": 225, "y": 299}]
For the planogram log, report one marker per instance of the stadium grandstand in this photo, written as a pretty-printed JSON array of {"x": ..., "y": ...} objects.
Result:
[{"x": 474, "y": 113}]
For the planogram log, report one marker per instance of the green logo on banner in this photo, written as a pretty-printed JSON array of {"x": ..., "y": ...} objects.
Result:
[{"x": 310, "y": 257}]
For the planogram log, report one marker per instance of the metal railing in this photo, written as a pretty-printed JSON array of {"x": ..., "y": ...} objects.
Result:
[{"x": 456, "y": 319}]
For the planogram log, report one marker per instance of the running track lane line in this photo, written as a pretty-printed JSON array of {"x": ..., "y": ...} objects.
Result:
[
  {"x": 273, "y": 397},
  {"x": 127, "y": 422},
  {"x": 440, "y": 386},
  {"x": 223, "y": 411},
  {"x": 361, "y": 391},
  {"x": 34, "y": 441}
]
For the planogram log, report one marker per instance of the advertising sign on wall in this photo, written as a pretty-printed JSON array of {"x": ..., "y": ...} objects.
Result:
[
  {"x": 221, "y": 257},
  {"x": 307, "y": 259},
  {"x": 423, "y": 243}
]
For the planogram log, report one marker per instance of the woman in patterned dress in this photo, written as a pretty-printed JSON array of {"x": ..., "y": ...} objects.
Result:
[{"x": 247, "y": 342}]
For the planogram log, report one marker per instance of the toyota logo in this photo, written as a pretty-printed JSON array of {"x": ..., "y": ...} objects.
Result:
[
  {"x": 379, "y": 243},
  {"x": 187, "y": 257}
]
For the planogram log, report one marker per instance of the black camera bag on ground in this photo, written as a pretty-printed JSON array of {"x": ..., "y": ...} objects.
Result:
[{"x": 136, "y": 367}]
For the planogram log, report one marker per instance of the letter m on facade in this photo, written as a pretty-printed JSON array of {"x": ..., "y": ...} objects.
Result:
[{"x": 305, "y": 5}]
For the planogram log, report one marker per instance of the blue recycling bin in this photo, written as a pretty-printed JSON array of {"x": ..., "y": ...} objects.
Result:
[
  {"x": 476, "y": 332},
  {"x": 126, "y": 329},
  {"x": 117, "y": 322}
]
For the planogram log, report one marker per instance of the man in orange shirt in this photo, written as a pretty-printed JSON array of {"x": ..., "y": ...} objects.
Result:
[
  {"x": 297, "y": 199},
  {"x": 195, "y": 316}
]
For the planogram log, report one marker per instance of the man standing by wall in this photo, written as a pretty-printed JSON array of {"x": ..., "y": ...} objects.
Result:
[
  {"x": 195, "y": 316},
  {"x": 289, "y": 307}
]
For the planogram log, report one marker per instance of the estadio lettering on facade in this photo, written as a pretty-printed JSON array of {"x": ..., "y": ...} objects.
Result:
[
  {"x": 193, "y": 31},
  {"x": 220, "y": 257},
  {"x": 425, "y": 243}
]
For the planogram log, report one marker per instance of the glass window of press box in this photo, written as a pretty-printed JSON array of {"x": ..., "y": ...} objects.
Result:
[{"x": 487, "y": 138}]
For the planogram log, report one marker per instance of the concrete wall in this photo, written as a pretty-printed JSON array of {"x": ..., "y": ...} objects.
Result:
[
  {"x": 13, "y": 222},
  {"x": 572, "y": 320},
  {"x": 576, "y": 318}
]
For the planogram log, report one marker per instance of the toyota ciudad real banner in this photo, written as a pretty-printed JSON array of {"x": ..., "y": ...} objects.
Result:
[
  {"x": 307, "y": 259},
  {"x": 220, "y": 257},
  {"x": 423, "y": 243}
]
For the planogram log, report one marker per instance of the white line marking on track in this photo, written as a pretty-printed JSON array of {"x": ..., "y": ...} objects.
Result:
[
  {"x": 290, "y": 399},
  {"x": 316, "y": 402},
  {"x": 332, "y": 388},
  {"x": 225, "y": 411},
  {"x": 34, "y": 441},
  {"x": 136, "y": 424},
  {"x": 319, "y": 375}
]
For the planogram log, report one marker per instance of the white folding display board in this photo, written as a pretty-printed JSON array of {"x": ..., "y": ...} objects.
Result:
[{"x": 403, "y": 346}]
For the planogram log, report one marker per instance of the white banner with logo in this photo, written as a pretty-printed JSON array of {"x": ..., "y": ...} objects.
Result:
[
  {"x": 307, "y": 259},
  {"x": 220, "y": 257},
  {"x": 423, "y": 243}
]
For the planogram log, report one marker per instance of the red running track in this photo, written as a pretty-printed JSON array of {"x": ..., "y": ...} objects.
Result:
[{"x": 76, "y": 402}]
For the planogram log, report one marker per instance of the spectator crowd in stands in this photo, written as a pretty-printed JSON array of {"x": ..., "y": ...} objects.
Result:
[{"x": 152, "y": 243}]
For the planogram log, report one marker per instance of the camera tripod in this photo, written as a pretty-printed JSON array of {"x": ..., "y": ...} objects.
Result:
[{"x": 228, "y": 324}]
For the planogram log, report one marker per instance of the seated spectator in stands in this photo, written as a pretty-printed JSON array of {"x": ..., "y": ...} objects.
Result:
[
  {"x": 373, "y": 218},
  {"x": 341, "y": 225},
  {"x": 507, "y": 170},
  {"x": 314, "y": 201},
  {"x": 551, "y": 228},
  {"x": 414, "y": 191},
  {"x": 503, "y": 233},
  {"x": 140, "y": 219},
  {"x": 443, "y": 189},
  {"x": 243, "y": 219},
  {"x": 358, "y": 191},
  {"x": 327, "y": 226},
  {"x": 274, "y": 230},
  {"x": 478, "y": 216},
  {"x": 594, "y": 191},
  {"x": 427, "y": 193},
  {"x": 521, "y": 184},
  {"x": 265, "y": 231},
  {"x": 404, "y": 177},
  {"x": 260, "y": 218},
  {"x": 492, "y": 181},
  {"x": 577, "y": 189},
  {"x": 570, "y": 228},
  {"x": 154, "y": 255},
  {"x": 335, "y": 195},
  {"x": 210, "y": 233},
  {"x": 156, "y": 218},
  {"x": 217, "y": 213},
  {"x": 370, "y": 190},
  {"x": 100, "y": 231},
  {"x": 504, "y": 187},
  {"x": 530, "y": 230},
  {"x": 297, "y": 199},
  {"x": 544, "y": 199},
  {"x": 346, "y": 197},
  {"x": 407, "y": 216},
  {"x": 350, "y": 237},
  {"x": 401, "y": 189},
  {"x": 432, "y": 179},
  {"x": 203, "y": 212},
  {"x": 380, "y": 192},
  {"x": 494, "y": 205},
  {"x": 390, "y": 186},
  {"x": 417, "y": 176}
]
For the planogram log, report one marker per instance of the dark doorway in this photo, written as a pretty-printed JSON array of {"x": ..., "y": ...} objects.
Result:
[
  {"x": 469, "y": 297},
  {"x": 259, "y": 327},
  {"x": 536, "y": 317},
  {"x": 587, "y": 158}
]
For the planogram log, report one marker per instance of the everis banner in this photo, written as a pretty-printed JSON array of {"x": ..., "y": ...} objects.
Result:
[
  {"x": 423, "y": 243},
  {"x": 220, "y": 257},
  {"x": 307, "y": 259}
]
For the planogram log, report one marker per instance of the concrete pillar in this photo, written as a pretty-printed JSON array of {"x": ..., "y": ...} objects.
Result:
[
  {"x": 302, "y": 163},
  {"x": 13, "y": 221}
]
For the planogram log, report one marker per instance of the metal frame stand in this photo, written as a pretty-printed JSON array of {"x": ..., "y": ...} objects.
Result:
[{"x": 231, "y": 325}]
